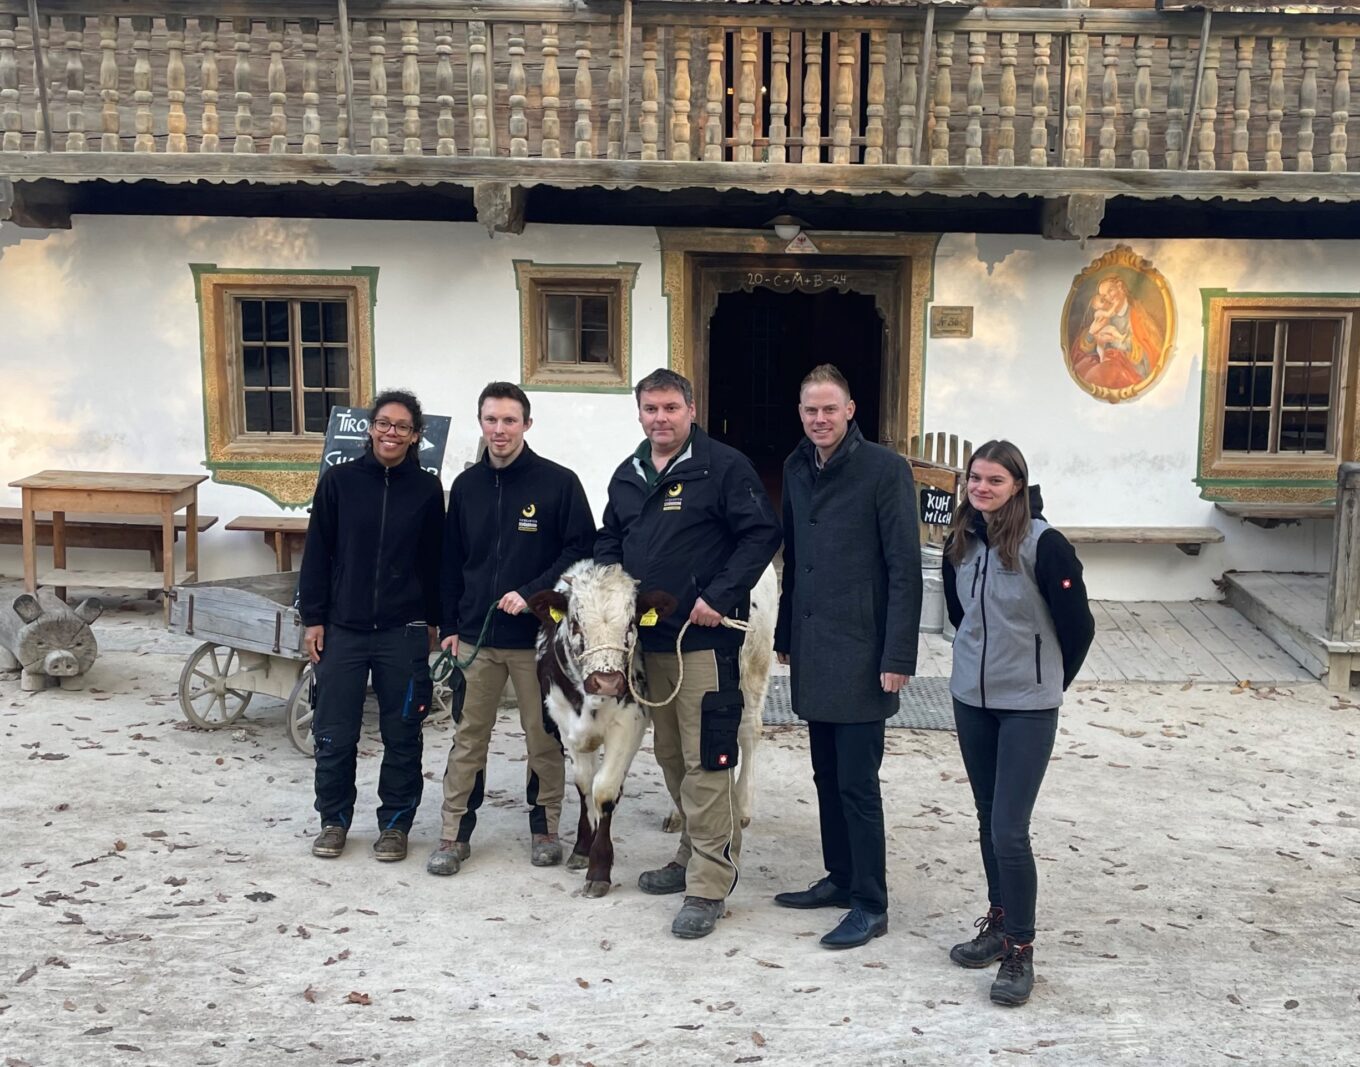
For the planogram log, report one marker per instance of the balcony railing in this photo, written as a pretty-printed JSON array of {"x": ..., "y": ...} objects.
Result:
[{"x": 1141, "y": 94}]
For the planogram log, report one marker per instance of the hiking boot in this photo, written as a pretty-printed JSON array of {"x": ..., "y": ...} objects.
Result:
[
  {"x": 663, "y": 880},
  {"x": 821, "y": 894},
  {"x": 987, "y": 947},
  {"x": 330, "y": 842},
  {"x": 545, "y": 851},
  {"x": 1015, "y": 978},
  {"x": 858, "y": 927},
  {"x": 697, "y": 917},
  {"x": 448, "y": 857},
  {"x": 390, "y": 846}
]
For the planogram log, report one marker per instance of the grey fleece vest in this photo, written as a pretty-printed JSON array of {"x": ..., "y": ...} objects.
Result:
[{"x": 1006, "y": 652}]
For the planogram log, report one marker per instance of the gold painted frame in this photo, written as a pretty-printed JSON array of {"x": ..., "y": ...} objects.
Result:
[
  {"x": 532, "y": 279},
  {"x": 1111, "y": 376}
]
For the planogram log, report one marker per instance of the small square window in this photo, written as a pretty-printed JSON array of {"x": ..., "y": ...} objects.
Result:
[{"x": 575, "y": 325}]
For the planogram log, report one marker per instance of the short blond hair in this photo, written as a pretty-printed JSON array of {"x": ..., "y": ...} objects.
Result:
[{"x": 825, "y": 374}]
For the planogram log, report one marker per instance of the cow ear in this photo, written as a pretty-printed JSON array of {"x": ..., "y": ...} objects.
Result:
[
  {"x": 657, "y": 600},
  {"x": 545, "y": 603},
  {"x": 26, "y": 606}
]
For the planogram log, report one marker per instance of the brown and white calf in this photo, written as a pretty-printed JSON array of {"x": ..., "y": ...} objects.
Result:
[{"x": 590, "y": 627}]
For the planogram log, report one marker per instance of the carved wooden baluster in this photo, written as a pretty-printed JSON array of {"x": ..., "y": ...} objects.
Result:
[
  {"x": 11, "y": 121},
  {"x": 74, "y": 26},
  {"x": 614, "y": 132},
  {"x": 1005, "y": 133},
  {"x": 245, "y": 121},
  {"x": 585, "y": 137},
  {"x": 874, "y": 96},
  {"x": 1143, "y": 47},
  {"x": 410, "y": 86},
  {"x": 908, "y": 90},
  {"x": 1109, "y": 101},
  {"x": 39, "y": 40},
  {"x": 843, "y": 104},
  {"x": 1241, "y": 137},
  {"x": 648, "y": 125},
  {"x": 1341, "y": 103},
  {"x": 311, "y": 88},
  {"x": 715, "y": 95},
  {"x": 1038, "y": 130},
  {"x": 680, "y": 95},
  {"x": 944, "y": 92},
  {"x": 1208, "y": 105},
  {"x": 779, "y": 96},
  {"x": 1178, "y": 56},
  {"x": 277, "y": 83},
  {"x": 209, "y": 125},
  {"x": 1308, "y": 102},
  {"x": 518, "y": 86},
  {"x": 1074, "y": 107},
  {"x": 141, "y": 84},
  {"x": 377, "y": 87},
  {"x": 812, "y": 96},
  {"x": 443, "y": 83},
  {"x": 972, "y": 136},
  {"x": 552, "y": 90},
  {"x": 343, "y": 142},
  {"x": 1279, "y": 53},
  {"x": 749, "y": 43}
]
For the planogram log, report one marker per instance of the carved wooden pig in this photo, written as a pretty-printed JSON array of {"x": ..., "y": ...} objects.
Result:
[{"x": 48, "y": 640}]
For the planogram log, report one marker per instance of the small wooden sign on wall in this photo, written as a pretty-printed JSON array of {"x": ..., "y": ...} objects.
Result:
[{"x": 951, "y": 321}]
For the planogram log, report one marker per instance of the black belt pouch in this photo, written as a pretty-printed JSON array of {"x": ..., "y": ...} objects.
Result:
[{"x": 720, "y": 716}]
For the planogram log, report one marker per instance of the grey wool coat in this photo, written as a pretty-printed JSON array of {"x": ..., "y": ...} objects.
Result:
[{"x": 851, "y": 602}]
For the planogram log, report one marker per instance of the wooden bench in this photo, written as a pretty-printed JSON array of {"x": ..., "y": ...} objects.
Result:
[
  {"x": 283, "y": 533},
  {"x": 1269, "y": 515},
  {"x": 100, "y": 531},
  {"x": 1189, "y": 539}
]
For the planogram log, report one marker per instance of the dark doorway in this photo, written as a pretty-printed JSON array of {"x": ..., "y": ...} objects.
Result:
[{"x": 762, "y": 343}]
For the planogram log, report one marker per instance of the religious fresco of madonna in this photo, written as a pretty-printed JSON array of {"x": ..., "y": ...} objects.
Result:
[{"x": 1118, "y": 326}]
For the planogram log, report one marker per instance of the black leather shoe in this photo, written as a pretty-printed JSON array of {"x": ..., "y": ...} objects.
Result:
[
  {"x": 697, "y": 917},
  {"x": 823, "y": 894},
  {"x": 987, "y": 947},
  {"x": 859, "y": 927},
  {"x": 1015, "y": 977},
  {"x": 663, "y": 880}
]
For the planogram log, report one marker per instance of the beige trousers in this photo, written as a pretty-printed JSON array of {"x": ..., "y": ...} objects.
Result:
[
  {"x": 465, "y": 775},
  {"x": 710, "y": 837}
]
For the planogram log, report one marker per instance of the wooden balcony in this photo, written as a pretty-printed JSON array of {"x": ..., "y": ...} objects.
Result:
[{"x": 943, "y": 100}]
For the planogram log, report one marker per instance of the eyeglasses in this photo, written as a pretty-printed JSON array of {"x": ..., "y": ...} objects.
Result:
[{"x": 401, "y": 429}]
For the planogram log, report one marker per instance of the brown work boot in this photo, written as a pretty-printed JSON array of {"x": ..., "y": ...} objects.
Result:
[
  {"x": 390, "y": 846},
  {"x": 448, "y": 857},
  {"x": 330, "y": 842},
  {"x": 545, "y": 851}
]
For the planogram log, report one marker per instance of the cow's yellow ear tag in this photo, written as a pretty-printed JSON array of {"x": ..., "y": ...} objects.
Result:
[
  {"x": 649, "y": 617},
  {"x": 557, "y": 616}
]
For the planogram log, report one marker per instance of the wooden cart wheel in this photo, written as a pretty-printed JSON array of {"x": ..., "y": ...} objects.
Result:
[
  {"x": 204, "y": 696},
  {"x": 299, "y": 713}
]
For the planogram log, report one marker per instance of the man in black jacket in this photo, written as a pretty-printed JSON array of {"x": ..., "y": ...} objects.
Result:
[
  {"x": 369, "y": 596},
  {"x": 516, "y": 521},
  {"x": 848, "y": 620},
  {"x": 687, "y": 515}
]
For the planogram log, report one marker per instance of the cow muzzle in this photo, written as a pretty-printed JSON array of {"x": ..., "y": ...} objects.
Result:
[{"x": 605, "y": 683}]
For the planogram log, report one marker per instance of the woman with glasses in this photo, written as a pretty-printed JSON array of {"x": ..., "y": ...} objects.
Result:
[{"x": 369, "y": 596}]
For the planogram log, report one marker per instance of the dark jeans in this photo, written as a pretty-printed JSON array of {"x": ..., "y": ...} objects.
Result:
[
  {"x": 845, "y": 762},
  {"x": 397, "y": 659},
  {"x": 1006, "y": 754}
]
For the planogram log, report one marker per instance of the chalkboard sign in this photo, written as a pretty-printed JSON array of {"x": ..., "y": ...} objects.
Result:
[
  {"x": 347, "y": 439},
  {"x": 937, "y": 506}
]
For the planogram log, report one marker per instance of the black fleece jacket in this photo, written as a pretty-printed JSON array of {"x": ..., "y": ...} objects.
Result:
[
  {"x": 372, "y": 554},
  {"x": 516, "y": 528}
]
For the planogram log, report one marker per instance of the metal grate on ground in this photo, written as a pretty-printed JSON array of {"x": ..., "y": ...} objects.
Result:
[{"x": 924, "y": 705}]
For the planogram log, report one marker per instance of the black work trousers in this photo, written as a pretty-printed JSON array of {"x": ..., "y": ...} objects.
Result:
[
  {"x": 1006, "y": 754},
  {"x": 397, "y": 658},
  {"x": 845, "y": 762}
]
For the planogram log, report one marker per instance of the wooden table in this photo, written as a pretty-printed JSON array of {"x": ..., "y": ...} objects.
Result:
[
  {"x": 109, "y": 493},
  {"x": 285, "y": 534}
]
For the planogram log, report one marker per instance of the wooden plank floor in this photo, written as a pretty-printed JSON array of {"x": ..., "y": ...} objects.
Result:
[{"x": 1173, "y": 641}]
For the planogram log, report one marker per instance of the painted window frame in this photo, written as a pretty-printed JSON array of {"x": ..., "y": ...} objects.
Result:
[
  {"x": 284, "y": 468},
  {"x": 537, "y": 281},
  {"x": 1281, "y": 477}
]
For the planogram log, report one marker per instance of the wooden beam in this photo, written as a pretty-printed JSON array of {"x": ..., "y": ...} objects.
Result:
[
  {"x": 500, "y": 206},
  {"x": 1073, "y": 218}
]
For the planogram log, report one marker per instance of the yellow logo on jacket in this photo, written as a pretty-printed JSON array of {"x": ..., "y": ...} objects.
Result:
[
  {"x": 527, "y": 522},
  {"x": 673, "y": 501}
]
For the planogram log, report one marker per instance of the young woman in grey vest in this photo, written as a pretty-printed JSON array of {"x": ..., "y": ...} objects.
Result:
[{"x": 1015, "y": 596}]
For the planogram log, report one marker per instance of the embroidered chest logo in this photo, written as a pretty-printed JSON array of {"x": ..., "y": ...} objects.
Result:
[
  {"x": 673, "y": 500},
  {"x": 528, "y": 523}
]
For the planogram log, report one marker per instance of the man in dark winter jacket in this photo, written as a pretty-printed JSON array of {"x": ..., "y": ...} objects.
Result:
[
  {"x": 848, "y": 620},
  {"x": 687, "y": 515},
  {"x": 516, "y": 521},
  {"x": 369, "y": 597}
]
